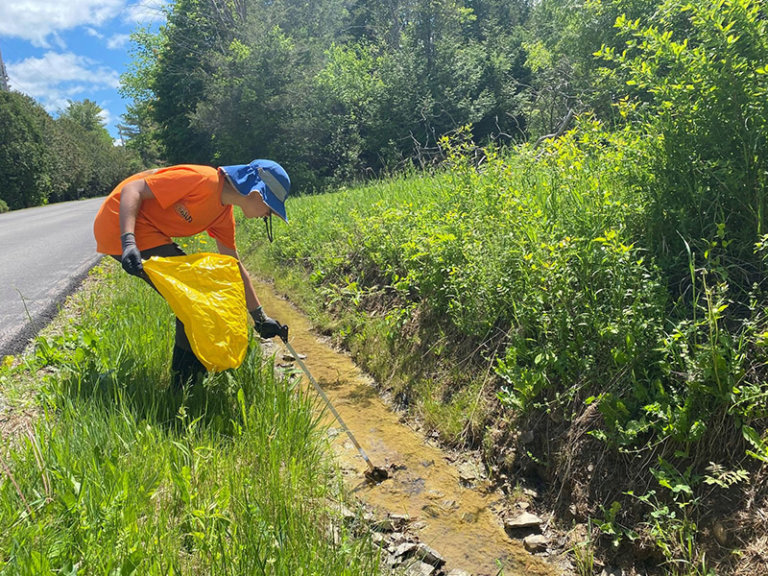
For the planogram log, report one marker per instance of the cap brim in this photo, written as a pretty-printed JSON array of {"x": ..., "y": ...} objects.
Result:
[{"x": 274, "y": 204}]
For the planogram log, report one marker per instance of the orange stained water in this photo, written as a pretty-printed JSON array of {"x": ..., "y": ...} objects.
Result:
[{"x": 455, "y": 519}]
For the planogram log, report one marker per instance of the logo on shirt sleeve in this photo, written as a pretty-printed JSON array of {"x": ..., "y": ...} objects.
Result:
[{"x": 182, "y": 211}]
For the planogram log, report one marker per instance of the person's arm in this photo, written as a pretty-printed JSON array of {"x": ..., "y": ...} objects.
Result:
[
  {"x": 131, "y": 197},
  {"x": 266, "y": 327}
]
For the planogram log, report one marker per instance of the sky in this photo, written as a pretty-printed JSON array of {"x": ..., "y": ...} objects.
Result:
[{"x": 61, "y": 50}]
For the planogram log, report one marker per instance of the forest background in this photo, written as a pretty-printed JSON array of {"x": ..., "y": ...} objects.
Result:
[
  {"x": 337, "y": 90},
  {"x": 578, "y": 254}
]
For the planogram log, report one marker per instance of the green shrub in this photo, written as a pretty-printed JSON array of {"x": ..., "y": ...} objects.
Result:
[{"x": 698, "y": 79}]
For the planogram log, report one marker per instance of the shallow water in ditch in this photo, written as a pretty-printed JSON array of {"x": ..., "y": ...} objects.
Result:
[{"x": 455, "y": 519}]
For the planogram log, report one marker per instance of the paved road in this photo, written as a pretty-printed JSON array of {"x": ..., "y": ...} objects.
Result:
[{"x": 45, "y": 253}]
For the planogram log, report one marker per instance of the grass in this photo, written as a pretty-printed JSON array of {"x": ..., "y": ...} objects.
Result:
[{"x": 120, "y": 475}]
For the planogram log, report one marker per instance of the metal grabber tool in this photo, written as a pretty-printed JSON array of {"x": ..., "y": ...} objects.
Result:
[{"x": 374, "y": 473}]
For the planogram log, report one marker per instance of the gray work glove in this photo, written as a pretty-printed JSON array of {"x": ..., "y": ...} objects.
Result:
[
  {"x": 131, "y": 259},
  {"x": 268, "y": 327}
]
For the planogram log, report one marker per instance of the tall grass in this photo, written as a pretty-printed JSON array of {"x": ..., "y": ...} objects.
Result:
[{"x": 121, "y": 475}]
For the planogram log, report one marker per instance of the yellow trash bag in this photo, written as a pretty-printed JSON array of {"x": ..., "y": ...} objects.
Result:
[{"x": 206, "y": 293}]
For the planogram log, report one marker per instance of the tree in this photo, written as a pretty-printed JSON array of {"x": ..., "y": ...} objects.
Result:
[
  {"x": 139, "y": 130},
  {"x": 334, "y": 89},
  {"x": 86, "y": 114},
  {"x": 70, "y": 159},
  {"x": 25, "y": 158},
  {"x": 195, "y": 32},
  {"x": 86, "y": 158},
  {"x": 561, "y": 39},
  {"x": 378, "y": 22}
]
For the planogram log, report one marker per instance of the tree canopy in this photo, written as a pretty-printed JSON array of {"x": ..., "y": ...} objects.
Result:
[{"x": 334, "y": 89}]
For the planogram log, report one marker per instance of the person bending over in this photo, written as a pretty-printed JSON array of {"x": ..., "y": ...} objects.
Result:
[{"x": 141, "y": 215}]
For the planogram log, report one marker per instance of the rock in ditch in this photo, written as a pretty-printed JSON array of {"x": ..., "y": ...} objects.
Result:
[
  {"x": 720, "y": 534},
  {"x": 393, "y": 522},
  {"x": 430, "y": 556},
  {"x": 468, "y": 473},
  {"x": 401, "y": 549},
  {"x": 526, "y": 520},
  {"x": 419, "y": 569},
  {"x": 404, "y": 552},
  {"x": 535, "y": 543},
  {"x": 405, "y": 549}
]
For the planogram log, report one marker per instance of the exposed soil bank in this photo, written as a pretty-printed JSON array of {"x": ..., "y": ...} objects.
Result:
[{"x": 452, "y": 512}]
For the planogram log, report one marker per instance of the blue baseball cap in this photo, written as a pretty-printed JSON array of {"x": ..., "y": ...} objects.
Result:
[{"x": 266, "y": 176}]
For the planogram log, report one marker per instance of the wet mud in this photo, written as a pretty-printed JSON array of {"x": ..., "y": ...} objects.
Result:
[{"x": 451, "y": 507}]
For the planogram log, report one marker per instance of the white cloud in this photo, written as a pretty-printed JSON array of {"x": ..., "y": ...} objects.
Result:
[
  {"x": 106, "y": 116},
  {"x": 37, "y": 20},
  {"x": 62, "y": 73},
  {"x": 145, "y": 12},
  {"x": 118, "y": 41},
  {"x": 57, "y": 77}
]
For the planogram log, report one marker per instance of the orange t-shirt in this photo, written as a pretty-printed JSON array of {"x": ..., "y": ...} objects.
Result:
[{"x": 187, "y": 201}]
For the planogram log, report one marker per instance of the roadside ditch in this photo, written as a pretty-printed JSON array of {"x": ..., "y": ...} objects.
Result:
[{"x": 437, "y": 513}]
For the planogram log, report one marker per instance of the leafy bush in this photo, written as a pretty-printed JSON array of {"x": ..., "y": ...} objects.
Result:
[
  {"x": 533, "y": 260},
  {"x": 698, "y": 85},
  {"x": 529, "y": 253}
]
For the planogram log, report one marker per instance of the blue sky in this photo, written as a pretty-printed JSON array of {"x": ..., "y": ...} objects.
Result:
[{"x": 60, "y": 50}]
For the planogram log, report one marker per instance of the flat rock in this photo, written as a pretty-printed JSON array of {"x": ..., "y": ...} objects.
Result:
[
  {"x": 404, "y": 549},
  {"x": 394, "y": 522},
  {"x": 468, "y": 473},
  {"x": 430, "y": 556},
  {"x": 523, "y": 520},
  {"x": 419, "y": 569},
  {"x": 346, "y": 513}
]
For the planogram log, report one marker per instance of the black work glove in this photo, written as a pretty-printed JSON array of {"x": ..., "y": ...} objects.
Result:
[
  {"x": 131, "y": 259},
  {"x": 267, "y": 327}
]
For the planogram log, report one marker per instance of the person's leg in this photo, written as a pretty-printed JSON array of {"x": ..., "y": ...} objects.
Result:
[{"x": 185, "y": 366}]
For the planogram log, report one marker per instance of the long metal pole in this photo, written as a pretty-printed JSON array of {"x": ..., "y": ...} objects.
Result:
[{"x": 319, "y": 390}]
